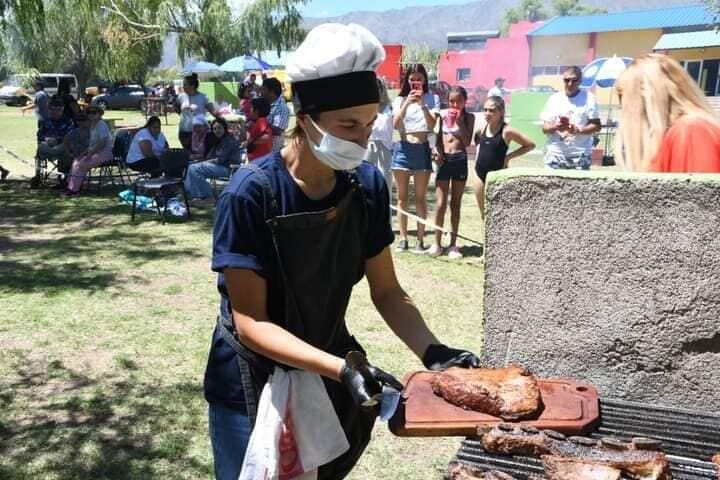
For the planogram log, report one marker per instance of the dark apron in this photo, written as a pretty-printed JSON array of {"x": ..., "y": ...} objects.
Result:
[{"x": 320, "y": 256}]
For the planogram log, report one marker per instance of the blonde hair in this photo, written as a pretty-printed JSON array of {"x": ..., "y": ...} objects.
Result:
[{"x": 655, "y": 91}]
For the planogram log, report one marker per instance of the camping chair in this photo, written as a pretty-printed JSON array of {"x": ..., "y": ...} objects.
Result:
[
  {"x": 121, "y": 145},
  {"x": 45, "y": 168},
  {"x": 174, "y": 164}
]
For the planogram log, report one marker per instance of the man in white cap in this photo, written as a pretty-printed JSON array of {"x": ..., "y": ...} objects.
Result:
[{"x": 294, "y": 232}]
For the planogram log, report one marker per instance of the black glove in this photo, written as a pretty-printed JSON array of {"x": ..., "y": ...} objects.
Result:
[
  {"x": 364, "y": 381},
  {"x": 440, "y": 357}
]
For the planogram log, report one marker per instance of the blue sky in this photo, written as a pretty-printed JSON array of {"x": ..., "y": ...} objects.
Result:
[{"x": 331, "y": 8}]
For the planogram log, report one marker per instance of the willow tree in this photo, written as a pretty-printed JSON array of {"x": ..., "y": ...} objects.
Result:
[
  {"x": 211, "y": 29},
  {"x": 68, "y": 39},
  {"x": 75, "y": 36}
]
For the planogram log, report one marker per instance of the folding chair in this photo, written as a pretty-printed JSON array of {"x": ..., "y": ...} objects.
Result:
[
  {"x": 121, "y": 145},
  {"x": 174, "y": 164}
]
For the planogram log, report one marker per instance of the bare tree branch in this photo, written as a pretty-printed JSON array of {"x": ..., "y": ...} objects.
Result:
[{"x": 114, "y": 9}]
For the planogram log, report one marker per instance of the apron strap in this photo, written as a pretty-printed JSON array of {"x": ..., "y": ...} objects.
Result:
[
  {"x": 267, "y": 191},
  {"x": 245, "y": 359}
]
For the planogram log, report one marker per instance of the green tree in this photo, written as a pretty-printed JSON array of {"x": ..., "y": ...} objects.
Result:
[
  {"x": 210, "y": 29},
  {"x": 574, "y": 7},
  {"x": 69, "y": 40},
  {"x": 529, "y": 10},
  {"x": 421, "y": 53},
  {"x": 76, "y": 37}
]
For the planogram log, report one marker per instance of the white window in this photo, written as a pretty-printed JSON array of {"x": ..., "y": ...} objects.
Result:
[{"x": 462, "y": 74}]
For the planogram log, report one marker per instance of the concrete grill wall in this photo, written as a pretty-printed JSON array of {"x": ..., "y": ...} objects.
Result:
[{"x": 614, "y": 279}]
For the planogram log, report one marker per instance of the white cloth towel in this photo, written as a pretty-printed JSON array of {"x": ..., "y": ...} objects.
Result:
[{"x": 296, "y": 429}]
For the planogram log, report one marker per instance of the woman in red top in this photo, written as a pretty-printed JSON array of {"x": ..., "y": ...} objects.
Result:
[
  {"x": 259, "y": 141},
  {"x": 666, "y": 125}
]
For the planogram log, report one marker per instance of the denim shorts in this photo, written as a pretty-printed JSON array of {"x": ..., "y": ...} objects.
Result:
[
  {"x": 454, "y": 168},
  {"x": 581, "y": 162},
  {"x": 412, "y": 157}
]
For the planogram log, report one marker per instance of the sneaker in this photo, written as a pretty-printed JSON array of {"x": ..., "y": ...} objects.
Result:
[
  {"x": 419, "y": 248},
  {"x": 434, "y": 251},
  {"x": 454, "y": 252},
  {"x": 402, "y": 246}
]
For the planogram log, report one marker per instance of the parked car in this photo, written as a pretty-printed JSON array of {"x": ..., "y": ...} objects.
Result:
[
  {"x": 123, "y": 96},
  {"x": 20, "y": 88}
]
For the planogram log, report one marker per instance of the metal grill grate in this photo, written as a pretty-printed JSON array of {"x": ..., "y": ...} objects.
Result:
[{"x": 690, "y": 439}]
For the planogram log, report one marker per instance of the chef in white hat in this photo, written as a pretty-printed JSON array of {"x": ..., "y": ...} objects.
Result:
[{"x": 294, "y": 232}]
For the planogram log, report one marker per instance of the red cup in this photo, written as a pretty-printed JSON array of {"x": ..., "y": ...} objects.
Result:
[{"x": 451, "y": 117}]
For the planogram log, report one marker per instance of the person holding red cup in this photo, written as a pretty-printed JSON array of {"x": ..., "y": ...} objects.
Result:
[
  {"x": 415, "y": 113},
  {"x": 452, "y": 168}
]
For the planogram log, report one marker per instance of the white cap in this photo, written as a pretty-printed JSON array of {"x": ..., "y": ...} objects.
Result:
[{"x": 333, "y": 49}]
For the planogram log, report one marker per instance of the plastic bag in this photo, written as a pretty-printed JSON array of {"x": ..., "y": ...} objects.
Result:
[
  {"x": 176, "y": 207},
  {"x": 142, "y": 202}
]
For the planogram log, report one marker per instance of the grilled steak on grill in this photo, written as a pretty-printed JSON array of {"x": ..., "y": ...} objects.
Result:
[
  {"x": 467, "y": 472},
  {"x": 639, "y": 459},
  {"x": 510, "y": 393},
  {"x": 561, "y": 468}
]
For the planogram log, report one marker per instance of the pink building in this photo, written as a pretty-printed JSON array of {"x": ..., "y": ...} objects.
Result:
[{"x": 477, "y": 67}]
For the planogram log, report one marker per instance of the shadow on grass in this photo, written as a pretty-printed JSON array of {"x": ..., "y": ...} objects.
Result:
[
  {"x": 61, "y": 423},
  {"x": 49, "y": 243}
]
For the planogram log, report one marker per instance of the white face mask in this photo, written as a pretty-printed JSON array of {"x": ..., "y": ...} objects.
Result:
[{"x": 337, "y": 153}]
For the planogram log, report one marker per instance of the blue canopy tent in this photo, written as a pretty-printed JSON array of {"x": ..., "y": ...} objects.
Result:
[
  {"x": 244, "y": 63},
  {"x": 200, "y": 67},
  {"x": 603, "y": 72}
]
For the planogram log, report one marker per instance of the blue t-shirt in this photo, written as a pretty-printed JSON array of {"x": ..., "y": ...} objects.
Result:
[{"x": 241, "y": 239}]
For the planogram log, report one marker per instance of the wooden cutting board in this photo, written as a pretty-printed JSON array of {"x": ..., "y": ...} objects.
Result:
[{"x": 570, "y": 408}]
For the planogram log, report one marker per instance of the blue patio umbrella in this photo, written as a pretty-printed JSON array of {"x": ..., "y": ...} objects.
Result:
[
  {"x": 604, "y": 71},
  {"x": 201, "y": 67},
  {"x": 244, "y": 63}
]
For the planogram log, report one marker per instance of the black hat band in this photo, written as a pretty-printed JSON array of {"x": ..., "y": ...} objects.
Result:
[{"x": 333, "y": 93}]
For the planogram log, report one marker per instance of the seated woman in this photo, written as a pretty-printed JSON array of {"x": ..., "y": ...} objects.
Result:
[
  {"x": 222, "y": 150},
  {"x": 75, "y": 143},
  {"x": 259, "y": 141},
  {"x": 99, "y": 151},
  {"x": 198, "y": 138},
  {"x": 147, "y": 146},
  {"x": 221, "y": 106}
]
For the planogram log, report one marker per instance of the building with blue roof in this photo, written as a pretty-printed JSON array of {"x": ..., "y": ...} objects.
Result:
[{"x": 685, "y": 33}]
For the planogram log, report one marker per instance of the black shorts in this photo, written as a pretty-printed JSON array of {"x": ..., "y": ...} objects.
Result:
[{"x": 454, "y": 168}]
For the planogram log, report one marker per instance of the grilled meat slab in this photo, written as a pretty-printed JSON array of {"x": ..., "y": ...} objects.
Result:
[
  {"x": 467, "y": 472},
  {"x": 510, "y": 393},
  {"x": 561, "y": 468},
  {"x": 640, "y": 459}
]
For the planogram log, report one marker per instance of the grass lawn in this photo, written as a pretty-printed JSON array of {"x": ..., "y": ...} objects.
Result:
[{"x": 106, "y": 324}]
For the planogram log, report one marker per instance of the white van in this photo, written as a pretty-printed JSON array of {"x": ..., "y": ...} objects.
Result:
[{"x": 20, "y": 88}]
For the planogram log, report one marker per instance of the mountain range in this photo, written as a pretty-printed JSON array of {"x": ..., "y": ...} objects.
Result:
[{"x": 430, "y": 25}]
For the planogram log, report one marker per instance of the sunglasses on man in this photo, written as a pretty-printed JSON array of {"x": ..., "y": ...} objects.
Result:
[{"x": 571, "y": 80}]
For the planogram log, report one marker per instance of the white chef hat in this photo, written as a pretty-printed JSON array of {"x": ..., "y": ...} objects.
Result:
[{"x": 334, "y": 68}]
